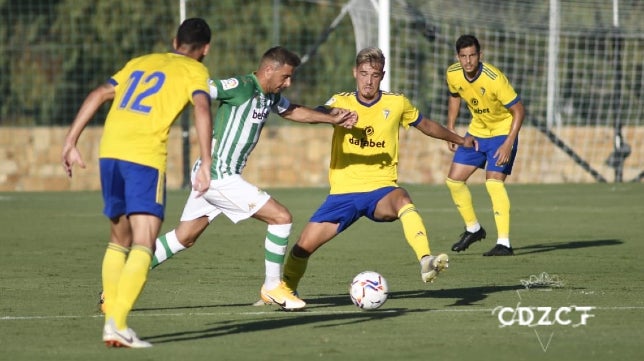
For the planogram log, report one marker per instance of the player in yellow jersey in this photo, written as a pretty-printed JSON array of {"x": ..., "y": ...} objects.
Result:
[
  {"x": 497, "y": 116},
  {"x": 363, "y": 172},
  {"x": 147, "y": 95}
]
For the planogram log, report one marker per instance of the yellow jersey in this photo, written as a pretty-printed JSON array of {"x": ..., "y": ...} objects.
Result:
[
  {"x": 151, "y": 91},
  {"x": 488, "y": 98},
  {"x": 365, "y": 157}
]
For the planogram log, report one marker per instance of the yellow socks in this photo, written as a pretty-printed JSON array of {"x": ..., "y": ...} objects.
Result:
[
  {"x": 500, "y": 206},
  {"x": 113, "y": 263},
  {"x": 294, "y": 269},
  {"x": 414, "y": 230},
  {"x": 130, "y": 284},
  {"x": 463, "y": 200}
]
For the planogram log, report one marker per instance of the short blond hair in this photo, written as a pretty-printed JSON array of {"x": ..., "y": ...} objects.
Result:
[{"x": 371, "y": 55}]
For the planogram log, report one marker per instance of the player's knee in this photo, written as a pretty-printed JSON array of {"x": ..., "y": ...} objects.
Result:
[
  {"x": 274, "y": 213},
  {"x": 300, "y": 252},
  {"x": 285, "y": 218},
  {"x": 188, "y": 232},
  {"x": 189, "y": 242},
  {"x": 389, "y": 207},
  {"x": 454, "y": 185},
  {"x": 281, "y": 216}
]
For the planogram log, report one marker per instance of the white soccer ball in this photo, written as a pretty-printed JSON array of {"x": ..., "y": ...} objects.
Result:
[{"x": 368, "y": 290}]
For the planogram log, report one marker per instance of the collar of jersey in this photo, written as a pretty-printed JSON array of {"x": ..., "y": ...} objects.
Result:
[{"x": 368, "y": 104}]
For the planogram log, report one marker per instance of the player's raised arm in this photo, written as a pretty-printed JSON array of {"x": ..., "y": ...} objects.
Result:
[{"x": 302, "y": 114}]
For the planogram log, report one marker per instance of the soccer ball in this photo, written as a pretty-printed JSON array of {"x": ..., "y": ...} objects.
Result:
[{"x": 368, "y": 290}]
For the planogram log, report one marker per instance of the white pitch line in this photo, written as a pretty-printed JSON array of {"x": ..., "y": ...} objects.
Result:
[{"x": 277, "y": 313}]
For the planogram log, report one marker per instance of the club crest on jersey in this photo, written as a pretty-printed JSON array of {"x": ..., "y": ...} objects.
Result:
[
  {"x": 231, "y": 83},
  {"x": 386, "y": 113},
  {"x": 482, "y": 91}
]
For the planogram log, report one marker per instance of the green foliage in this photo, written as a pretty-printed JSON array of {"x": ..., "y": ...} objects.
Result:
[
  {"x": 100, "y": 37},
  {"x": 55, "y": 51},
  {"x": 71, "y": 47}
]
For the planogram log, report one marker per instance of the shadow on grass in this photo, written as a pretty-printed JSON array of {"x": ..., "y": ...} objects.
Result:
[
  {"x": 547, "y": 247},
  {"x": 141, "y": 309},
  {"x": 466, "y": 296},
  {"x": 236, "y": 326}
]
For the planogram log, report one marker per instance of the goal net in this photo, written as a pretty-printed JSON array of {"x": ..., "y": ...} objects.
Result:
[{"x": 577, "y": 68}]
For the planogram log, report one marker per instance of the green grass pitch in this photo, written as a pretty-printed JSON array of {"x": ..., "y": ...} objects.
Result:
[{"x": 197, "y": 306}]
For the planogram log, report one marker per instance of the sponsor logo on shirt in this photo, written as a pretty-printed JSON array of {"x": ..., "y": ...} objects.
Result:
[
  {"x": 260, "y": 115},
  {"x": 475, "y": 102},
  {"x": 365, "y": 141},
  {"x": 362, "y": 143}
]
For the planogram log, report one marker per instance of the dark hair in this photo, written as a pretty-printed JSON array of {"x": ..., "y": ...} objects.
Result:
[
  {"x": 465, "y": 41},
  {"x": 281, "y": 55},
  {"x": 193, "y": 32}
]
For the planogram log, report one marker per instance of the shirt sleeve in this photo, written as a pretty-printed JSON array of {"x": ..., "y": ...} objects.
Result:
[{"x": 410, "y": 114}]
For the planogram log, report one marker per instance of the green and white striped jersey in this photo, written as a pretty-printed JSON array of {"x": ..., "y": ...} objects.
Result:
[{"x": 242, "y": 112}]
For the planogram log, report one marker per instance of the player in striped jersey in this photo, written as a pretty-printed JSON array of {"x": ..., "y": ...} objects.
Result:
[
  {"x": 148, "y": 94},
  {"x": 497, "y": 116},
  {"x": 245, "y": 103},
  {"x": 363, "y": 173}
]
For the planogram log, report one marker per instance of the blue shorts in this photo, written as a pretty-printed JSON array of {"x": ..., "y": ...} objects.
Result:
[
  {"x": 485, "y": 154},
  {"x": 130, "y": 188},
  {"x": 347, "y": 208}
]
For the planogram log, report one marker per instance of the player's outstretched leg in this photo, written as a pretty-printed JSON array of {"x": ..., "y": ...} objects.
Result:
[{"x": 166, "y": 246}]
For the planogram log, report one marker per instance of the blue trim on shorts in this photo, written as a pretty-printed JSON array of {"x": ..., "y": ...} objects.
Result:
[
  {"x": 347, "y": 208},
  {"x": 484, "y": 157},
  {"x": 131, "y": 188}
]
